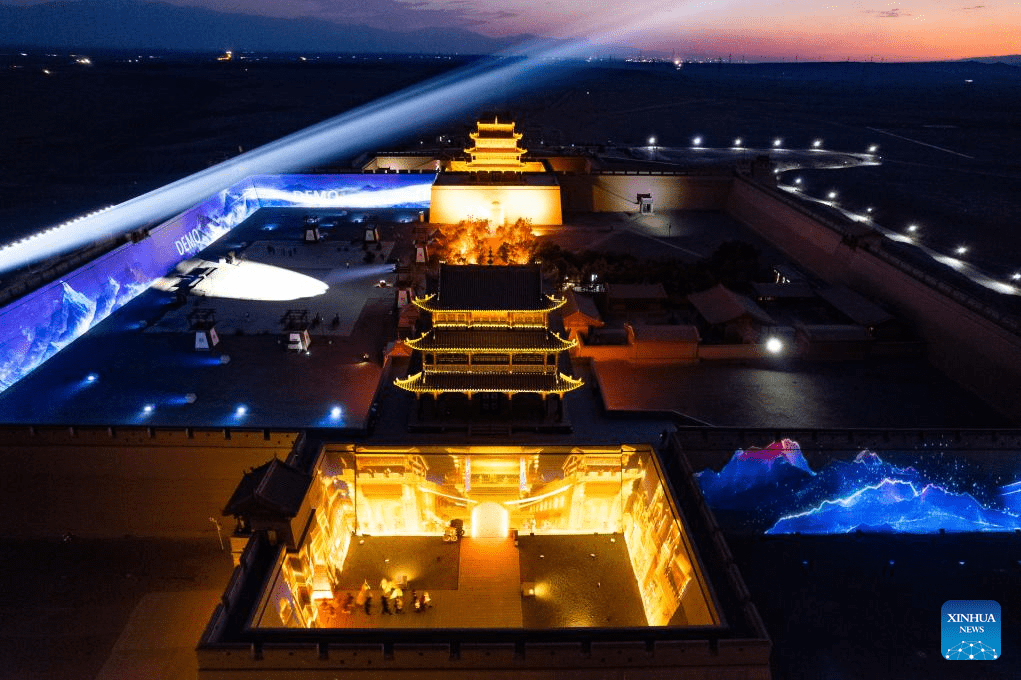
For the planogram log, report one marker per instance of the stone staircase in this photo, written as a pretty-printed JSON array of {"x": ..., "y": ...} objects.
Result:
[{"x": 489, "y": 583}]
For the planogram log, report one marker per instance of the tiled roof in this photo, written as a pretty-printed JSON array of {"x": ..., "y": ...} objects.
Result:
[
  {"x": 489, "y": 382},
  {"x": 721, "y": 305},
  {"x": 479, "y": 287},
  {"x": 505, "y": 340},
  {"x": 855, "y": 307},
  {"x": 273, "y": 488},
  {"x": 579, "y": 303}
]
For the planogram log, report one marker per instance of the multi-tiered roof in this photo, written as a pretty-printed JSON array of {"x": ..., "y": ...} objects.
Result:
[
  {"x": 495, "y": 146},
  {"x": 490, "y": 334}
]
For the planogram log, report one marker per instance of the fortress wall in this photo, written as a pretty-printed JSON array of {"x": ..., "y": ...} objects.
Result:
[
  {"x": 101, "y": 482},
  {"x": 970, "y": 348},
  {"x": 619, "y": 192},
  {"x": 452, "y": 203}
]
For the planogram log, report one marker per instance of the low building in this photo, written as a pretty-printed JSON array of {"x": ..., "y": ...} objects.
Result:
[
  {"x": 580, "y": 315},
  {"x": 729, "y": 317}
]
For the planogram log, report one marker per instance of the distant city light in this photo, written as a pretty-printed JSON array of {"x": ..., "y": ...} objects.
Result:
[
  {"x": 816, "y": 144},
  {"x": 777, "y": 142},
  {"x": 774, "y": 345},
  {"x": 241, "y": 410},
  {"x": 696, "y": 141},
  {"x": 737, "y": 142},
  {"x": 961, "y": 250}
]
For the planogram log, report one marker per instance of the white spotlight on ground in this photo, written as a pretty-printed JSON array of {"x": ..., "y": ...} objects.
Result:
[
  {"x": 774, "y": 345},
  {"x": 817, "y": 144},
  {"x": 696, "y": 141},
  {"x": 777, "y": 142},
  {"x": 961, "y": 250}
]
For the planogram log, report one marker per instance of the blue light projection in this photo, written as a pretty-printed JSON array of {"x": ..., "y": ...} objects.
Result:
[
  {"x": 774, "y": 490},
  {"x": 40, "y": 324}
]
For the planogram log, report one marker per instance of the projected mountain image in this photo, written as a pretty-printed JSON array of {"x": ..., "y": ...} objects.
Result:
[{"x": 775, "y": 491}]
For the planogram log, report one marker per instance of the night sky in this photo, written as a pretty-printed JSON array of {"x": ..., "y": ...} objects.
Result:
[{"x": 752, "y": 29}]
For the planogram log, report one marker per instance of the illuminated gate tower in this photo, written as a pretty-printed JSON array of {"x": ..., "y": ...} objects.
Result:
[
  {"x": 490, "y": 342},
  {"x": 495, "y": 183}
]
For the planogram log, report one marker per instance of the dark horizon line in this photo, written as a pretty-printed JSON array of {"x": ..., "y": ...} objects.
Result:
[{"x": 55, "y": 50}]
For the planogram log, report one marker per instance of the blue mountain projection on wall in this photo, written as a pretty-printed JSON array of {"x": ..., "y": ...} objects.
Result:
[{"x": 776, "y": 488}]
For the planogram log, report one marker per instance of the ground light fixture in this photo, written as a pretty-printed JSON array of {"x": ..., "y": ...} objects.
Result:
[
  {"x": 832, "y": 195},
  {"x": 652, "y": 141},
  {"x": 738, "y": 142},
  {"x": 873, "y": 148},
  {"x": 777, "y": 142},
  {"x": 91, "y": 378},
  {"x": 1016, "y": 276},
  {"x": 817, "y": 144},
  {"x": 797, "y": 180},
  {"x": 961, "y": 250},
  {"x": 241, "y": 410},
  {"x": 148, "y": 408},
  {"x": 774, "y": 345},
  {"x": 912, "y": 228},
  {"x": 696, "y": 141},
  {"x": 335, "y": 412}
]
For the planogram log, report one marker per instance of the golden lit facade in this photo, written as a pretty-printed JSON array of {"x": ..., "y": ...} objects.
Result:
[
  {"x": 490, "y": 335},
  {"x": 496, "y": 493},
  {"x": 495, "y": 184}
]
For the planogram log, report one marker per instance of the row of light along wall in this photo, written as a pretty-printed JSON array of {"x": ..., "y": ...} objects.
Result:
[
  {"x": 912, "y": 229},
  {"x": 698, "y": 142}
]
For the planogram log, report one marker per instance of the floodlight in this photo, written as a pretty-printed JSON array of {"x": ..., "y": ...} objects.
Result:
[{"x": 774, "y": 345}]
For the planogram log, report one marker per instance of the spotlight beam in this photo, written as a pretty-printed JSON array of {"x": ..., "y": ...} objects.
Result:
[{"x": 364, "y": 127}]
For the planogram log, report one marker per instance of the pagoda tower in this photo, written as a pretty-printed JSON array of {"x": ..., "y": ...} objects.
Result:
[
  {"x": 490, "y": 340},
  {"x": 495, "y": 147}
]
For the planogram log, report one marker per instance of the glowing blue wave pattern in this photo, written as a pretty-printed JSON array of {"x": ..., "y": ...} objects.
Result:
[{"x": 774, "y": 490}]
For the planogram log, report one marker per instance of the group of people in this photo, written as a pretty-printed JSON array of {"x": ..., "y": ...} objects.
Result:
[{"x": 392, "y": 600}]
